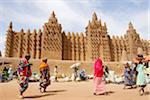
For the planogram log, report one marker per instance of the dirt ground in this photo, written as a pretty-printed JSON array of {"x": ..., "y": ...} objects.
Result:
[{"x": 70, "y": 91}]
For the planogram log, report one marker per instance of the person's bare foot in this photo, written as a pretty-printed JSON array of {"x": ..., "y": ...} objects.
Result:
[
  {"x": 40, "y": 90},
  {"x": 44, "y": 90},
  {"x": 21, "y": 97},
  {"x": 140, "y": 93}
]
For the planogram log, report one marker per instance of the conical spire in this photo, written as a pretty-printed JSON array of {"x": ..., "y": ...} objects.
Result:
[
  {"x": 81, "y": 35},
  {"x": 73, "y": 35},
  {"x": 39, "y": 31},
  {"x": 68, "y": 35},
  {"x": 10, "y": 25},
  {"x": 130, "y": 25},
  {"x": 94, "y": 17},
  {"x": 34, "y": 31},
  {"x": 53, "y": 14},
  {"x": 63, "y": 33},
  {"x": 118, "y": 38},
  {"x": 28, "y": 30},
  {"x": 113, "y": 37},
  {"x": 22, "y": 31},
  {"x": 100, "y": 22},
  {"x": 89, "y": 22},
  {"x": 105, "y": 24},
  {"x": 122, "y": 38},
  {"x": 53, "y": 18},
  {"x": 77, "y": 35}
]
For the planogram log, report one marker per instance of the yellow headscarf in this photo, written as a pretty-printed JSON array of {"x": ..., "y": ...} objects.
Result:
[{"x": 43, "y": 65}]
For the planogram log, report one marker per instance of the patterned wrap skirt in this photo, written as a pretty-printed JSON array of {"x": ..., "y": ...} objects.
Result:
[{"x": 99, "y": 85}]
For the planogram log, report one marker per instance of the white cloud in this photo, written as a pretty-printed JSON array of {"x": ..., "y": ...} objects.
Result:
[
  {"x": 137, "y": 2},
  {"x": 140, "y": 22},
  {"x": 119, "y": 27},
  {"x": 22, "y": 18},
  {"x": 70, "y": 19},
  {"x": 114, "y": 26}
]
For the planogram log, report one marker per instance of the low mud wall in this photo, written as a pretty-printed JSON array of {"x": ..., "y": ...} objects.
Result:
[{"x": 63, "y": 65}]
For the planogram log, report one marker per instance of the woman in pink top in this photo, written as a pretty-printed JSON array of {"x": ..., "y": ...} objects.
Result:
[{"x": 99, "y": 84}]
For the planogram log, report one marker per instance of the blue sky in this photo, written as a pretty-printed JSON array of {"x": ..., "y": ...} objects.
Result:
[{"x": 74, "y": 15}]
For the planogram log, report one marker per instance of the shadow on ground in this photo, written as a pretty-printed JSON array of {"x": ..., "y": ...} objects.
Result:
[
  {"x": 110, "y": 92},
  {"x": 37, "y": 96},
  {"x": 107, "y": 93},
  {"x": 147, "y": 93},
  {"x": 55, "y": 91}
]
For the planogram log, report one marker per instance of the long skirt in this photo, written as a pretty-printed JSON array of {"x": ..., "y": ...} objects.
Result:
[
  {"x": 23, "y": 83},
  {"x": 44, "y": 79},
  {"x": 99, "y": 85},
  {"x": 128, "y": 82},
  {"x": 141, "y": 79},
  {"x": 44, "y": 83}
]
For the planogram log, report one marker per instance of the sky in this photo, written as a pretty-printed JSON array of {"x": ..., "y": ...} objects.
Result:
[{"x": 74, "y": 15}]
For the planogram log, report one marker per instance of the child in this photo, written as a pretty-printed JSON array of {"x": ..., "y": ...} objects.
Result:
[{"x": 56, "y": 73}]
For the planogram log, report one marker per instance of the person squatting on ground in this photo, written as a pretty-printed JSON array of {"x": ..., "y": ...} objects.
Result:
[
  {"x": 44, "y": 75},
  {"x": 99, "y": 84},
  {"x": 24, "y": 72},
  {"x": 5, "y": 74},
  {"x": 82, "y": 75},
  {"x": 75, "y": 73}
]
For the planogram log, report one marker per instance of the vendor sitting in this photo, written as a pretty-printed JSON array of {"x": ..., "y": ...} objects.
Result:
[{"x": 82, "y": 75}]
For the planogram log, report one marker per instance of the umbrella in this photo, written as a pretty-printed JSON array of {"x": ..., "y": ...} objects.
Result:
[{"x": 75, "y": 65}]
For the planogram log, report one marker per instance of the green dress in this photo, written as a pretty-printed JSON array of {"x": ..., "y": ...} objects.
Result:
[{"x": 141, "y": 77}]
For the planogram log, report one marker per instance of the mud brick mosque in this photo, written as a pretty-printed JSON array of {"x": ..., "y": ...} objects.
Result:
[{"x": 54, "y": 43}]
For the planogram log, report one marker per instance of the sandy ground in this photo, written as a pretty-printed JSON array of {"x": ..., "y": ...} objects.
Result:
[{"x": 70, "y": 91}]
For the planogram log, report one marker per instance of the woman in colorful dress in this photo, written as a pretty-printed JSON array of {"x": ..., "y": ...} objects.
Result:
[
  {"x": 128, "y": 81},
  {"x": 99, "y": 84},
  {"x": 141, "y": 78},
  {"x": 45, "y": 75},
  {"x": 24, "y": 72}
]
